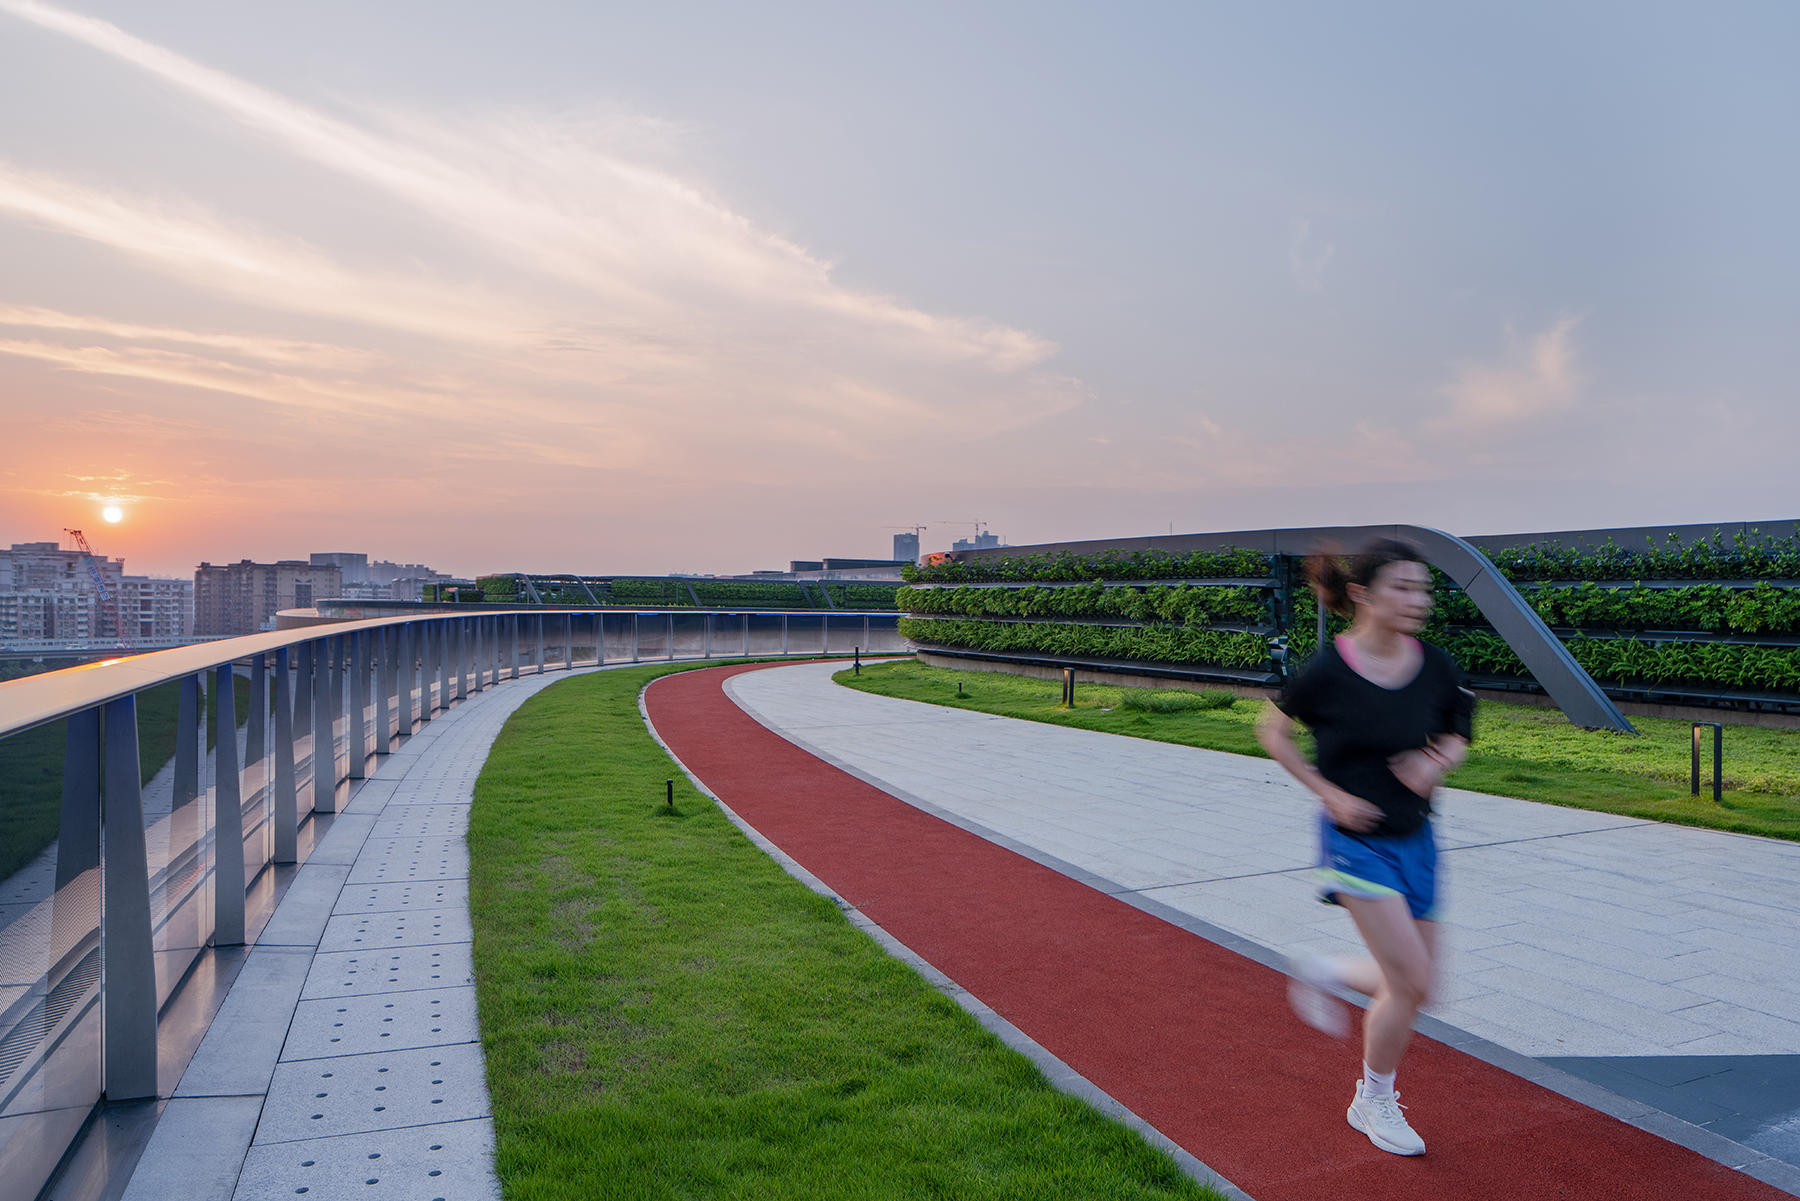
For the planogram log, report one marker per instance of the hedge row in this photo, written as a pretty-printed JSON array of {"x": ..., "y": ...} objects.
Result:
[
  {"x": 1152, "y": 644},
  {"x": 1189, "y": 604},
  {"x": 1764, "y": 609},
  {"x": 1629, "y": 660},
  {"x": 1742, "y": 557},
  {"x": 1107, "y": 565}
]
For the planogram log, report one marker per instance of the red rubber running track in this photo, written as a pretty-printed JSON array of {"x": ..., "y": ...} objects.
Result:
[{"x": 1195, "y": 1039}]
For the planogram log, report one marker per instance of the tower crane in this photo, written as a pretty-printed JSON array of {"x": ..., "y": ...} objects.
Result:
[{"x": 107, "y": 597}]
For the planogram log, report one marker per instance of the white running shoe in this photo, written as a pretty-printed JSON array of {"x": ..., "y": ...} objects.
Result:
[
  {"x": 1308, "y": 978},
  {"x": 1380, "y": 1118}
]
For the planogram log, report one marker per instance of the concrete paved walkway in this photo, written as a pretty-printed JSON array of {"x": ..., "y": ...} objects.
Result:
[
  {"x": 346, "y": 1054},
  {"x": 1579, "y": 937}
]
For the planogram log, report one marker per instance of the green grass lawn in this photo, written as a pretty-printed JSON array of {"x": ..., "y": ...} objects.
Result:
[
  {"x": 1520, "y": 750},
  {"x": 667, "y": 1013}
]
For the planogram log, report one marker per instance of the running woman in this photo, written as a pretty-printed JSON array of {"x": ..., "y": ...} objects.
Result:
[{"x": 1389, "y": 721}]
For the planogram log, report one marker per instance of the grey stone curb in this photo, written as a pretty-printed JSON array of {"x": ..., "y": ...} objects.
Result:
[
  {"x": 1716, "y": 1147},
  {"x": 1065, "y": 1078}
]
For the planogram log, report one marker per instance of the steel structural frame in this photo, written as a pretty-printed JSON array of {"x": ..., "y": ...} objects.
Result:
[{"x": 1575, "y": 692}]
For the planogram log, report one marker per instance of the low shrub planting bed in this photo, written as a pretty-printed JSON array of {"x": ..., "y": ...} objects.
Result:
[
  {"x": 1151, "y": 644},
  {"x": 1520, "y": 750},
  {"x": 1196, "y": 604},
  {"x": 667, "y": 1014}
]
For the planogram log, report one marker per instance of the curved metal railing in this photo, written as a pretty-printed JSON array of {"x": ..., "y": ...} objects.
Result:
[{"x": 115, "y": 879}]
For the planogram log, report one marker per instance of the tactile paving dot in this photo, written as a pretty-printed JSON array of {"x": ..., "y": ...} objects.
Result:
[
  {"x": 381, "y": 1022},
  {"x": 397, "y": 928},
  {"x": 394, "y": 860},
  {"x": 387, "y": 969},
  {"x": 382, "y": 898},
  {"x": 353, "y": 1094},
  {"x": 451, "y": 1161}
]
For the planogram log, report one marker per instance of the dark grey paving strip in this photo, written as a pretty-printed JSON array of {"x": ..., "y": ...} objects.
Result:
[
  {"x": 1632, "y": 1111},
  {"x": 1750, "y": 1099},
  {"x": 1060, "y": 1074}
]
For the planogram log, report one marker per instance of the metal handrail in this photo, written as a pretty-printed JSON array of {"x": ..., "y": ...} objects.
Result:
[{"x": 35, "y": 700}]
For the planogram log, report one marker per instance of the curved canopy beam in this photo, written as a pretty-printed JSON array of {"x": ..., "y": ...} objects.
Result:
[{"x": 1543, "y": 654}]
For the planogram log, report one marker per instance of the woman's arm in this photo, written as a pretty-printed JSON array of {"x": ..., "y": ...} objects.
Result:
[
  {"x": 1424, "y": 769},
  {"x": 1276, "y": 733}
]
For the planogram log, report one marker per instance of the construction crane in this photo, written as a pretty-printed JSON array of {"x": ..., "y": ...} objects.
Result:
[{"x": 107, "y": 597}]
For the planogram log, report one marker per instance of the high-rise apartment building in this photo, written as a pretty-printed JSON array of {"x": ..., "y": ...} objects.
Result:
[
  {"x": 243, "y": 597},
  {"x": 906, "y": 546},
  {"x": 381, "y": 580},
  {"x": 49, "y": 600}
]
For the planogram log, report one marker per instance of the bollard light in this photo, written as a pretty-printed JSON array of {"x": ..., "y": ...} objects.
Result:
[
  {"x": 857, "y": 651},
  {"x": 670, "y": 784},
  {"x": 1069, "y": 687},
  {"x": 1718, "y": 781}
]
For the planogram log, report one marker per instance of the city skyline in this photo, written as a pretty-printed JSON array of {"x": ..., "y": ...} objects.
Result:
[{"x": 701, "y": 290}]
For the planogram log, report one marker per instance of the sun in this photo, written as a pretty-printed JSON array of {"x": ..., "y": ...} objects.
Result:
[{"x": 113, "y": 513}]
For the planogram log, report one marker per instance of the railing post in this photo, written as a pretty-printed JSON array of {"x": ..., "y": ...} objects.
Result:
[
  {"x": 356, "y": 704},
  {"x": 283, "y": 803},
  {"x": 256, "y": 730},
  {"x": 385, "y": 677},
  {"x": 228, "y": 815},
  {"x": 187, "y": 744},
  {"x": 75, "y": 905},
  {"x": 634, "y": 636},
  {"x": 303, "y": 669},
  {"x": 706, "y": 623},
  {"x": 784, "y": 618},
  {"x": 512, "y": 646},
  {"x": 130, "y": 965},
  {"x": 431, "y": 688},
  {"x": 339, "y": 652},
  {"x": 256, "y": 743},
  {"x": 402, "y": 680},
  {"x": 461, "y": 660},
  {"x": 324, "y": 738},
  {"x": 671, "y": 634}
]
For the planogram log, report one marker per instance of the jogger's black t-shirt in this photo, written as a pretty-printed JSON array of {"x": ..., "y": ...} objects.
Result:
[{"x": 1359, "y": 726}]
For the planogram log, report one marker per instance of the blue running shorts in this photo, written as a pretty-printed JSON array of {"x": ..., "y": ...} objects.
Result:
[{"x": 1376, "y": 865}]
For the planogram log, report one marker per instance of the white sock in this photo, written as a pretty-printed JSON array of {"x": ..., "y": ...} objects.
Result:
[
  {"x": 1378, "y": 1084},
  {"x": 1321, "y": 972}
]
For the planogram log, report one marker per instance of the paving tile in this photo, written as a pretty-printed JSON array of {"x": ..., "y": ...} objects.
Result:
[
  {"x": 397, "y": 860},
  {"x": 352, "y": 973},
  {"x": 386, "y": 1021},
  {"x": 388, "y": 1090},
  {"x": 437, "y": 1162},
  {"x": 380, "y": 898},
  {"x": 397, "y": 928}
]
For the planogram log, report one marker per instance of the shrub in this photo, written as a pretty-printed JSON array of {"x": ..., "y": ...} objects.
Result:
[{"x": 1170, "y": 700}]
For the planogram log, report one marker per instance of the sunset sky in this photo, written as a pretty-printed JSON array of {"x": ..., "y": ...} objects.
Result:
[{"x": 706, "y": 287}]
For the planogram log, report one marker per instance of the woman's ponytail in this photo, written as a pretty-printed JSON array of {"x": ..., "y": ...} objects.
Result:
[{"x": 1331, "y": 576}]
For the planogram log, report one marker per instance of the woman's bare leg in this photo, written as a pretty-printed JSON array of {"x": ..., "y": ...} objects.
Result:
[{"x": 1404, "y": 951}]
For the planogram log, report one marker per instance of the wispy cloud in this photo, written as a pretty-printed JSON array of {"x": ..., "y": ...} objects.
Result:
[
  {"x": 1308, "y": 258},
  {"x": 551, "y": 295},
  {"x": 1537, "y": 377}
]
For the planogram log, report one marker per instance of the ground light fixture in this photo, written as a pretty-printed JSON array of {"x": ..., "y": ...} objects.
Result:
[{"x": 1718, "y": 759}]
